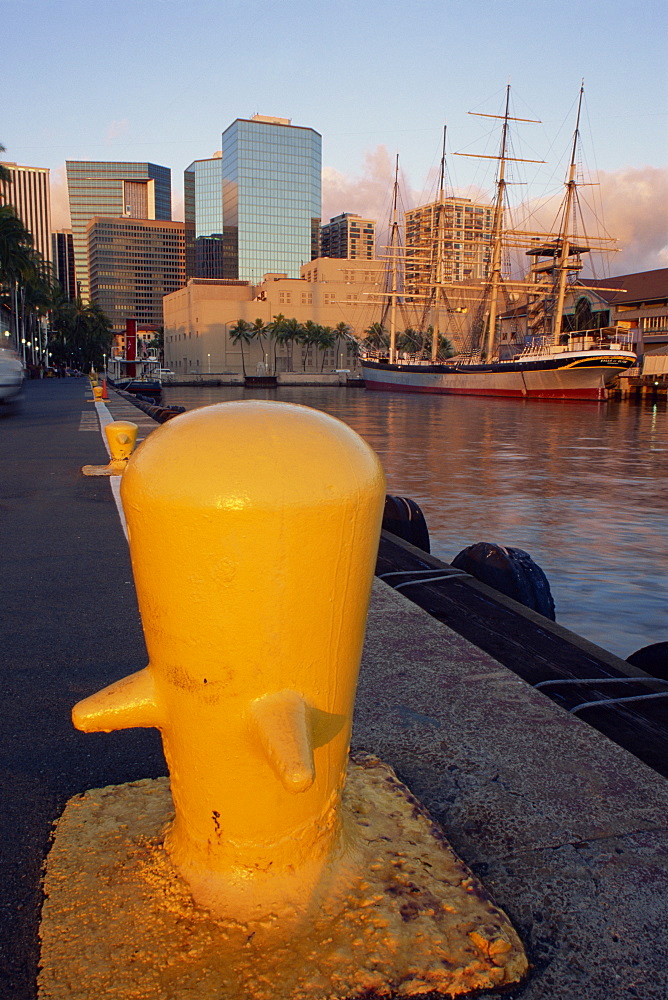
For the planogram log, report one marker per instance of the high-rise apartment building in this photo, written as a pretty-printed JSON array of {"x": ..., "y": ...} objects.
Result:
[
  {"x": 133, "y": 263},
  {"x": 255, "y": 209},
  {"x": 464, "y": 229},
  {"x": 28, "y": 191},
  {"x": 348, "y": 236},
  {"x": 62, "y": 254},
  {"x": 113, "y": 189}
]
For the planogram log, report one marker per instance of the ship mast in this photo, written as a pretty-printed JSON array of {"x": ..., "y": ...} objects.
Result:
[
  {"x": 562, "y": 267},
  {"x": 497, "y": 234},
  {"x": 394, "y": 279},
  {"x": 440, "y": 240},
  {"x": 497, "y": 229}
]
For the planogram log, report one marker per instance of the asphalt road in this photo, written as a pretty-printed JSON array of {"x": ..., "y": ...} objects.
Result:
[{"x": 70, "y": 626}]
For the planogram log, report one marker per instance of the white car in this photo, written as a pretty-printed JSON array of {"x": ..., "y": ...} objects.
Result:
[{"x": 12, "y": 374}]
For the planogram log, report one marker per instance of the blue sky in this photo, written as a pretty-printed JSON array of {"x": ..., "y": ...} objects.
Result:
[{"x": 159, "y": 80}]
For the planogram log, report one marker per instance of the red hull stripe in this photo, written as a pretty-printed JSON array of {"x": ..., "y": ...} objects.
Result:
[{"x": 592, "y": 395}]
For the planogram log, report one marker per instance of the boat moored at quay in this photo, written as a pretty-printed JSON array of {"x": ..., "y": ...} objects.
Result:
[
  {"x": 548, "y": 359},
  {"x": 133, "y": 371},
  {"x": 562, "y": 374}
]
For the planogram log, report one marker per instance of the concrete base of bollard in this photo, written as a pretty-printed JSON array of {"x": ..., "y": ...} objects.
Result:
[
  {"x": 113, "y": 469},
  {"x": 119, "y": 922}
]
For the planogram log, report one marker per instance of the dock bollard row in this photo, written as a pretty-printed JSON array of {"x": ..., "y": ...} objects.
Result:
[{"x": 121, "y": 437}]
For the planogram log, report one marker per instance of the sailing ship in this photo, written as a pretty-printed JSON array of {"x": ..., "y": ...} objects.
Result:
[{"x": 551, "y": 362}]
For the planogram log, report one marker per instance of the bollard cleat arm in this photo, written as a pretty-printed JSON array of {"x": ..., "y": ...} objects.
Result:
[
  {"x": 289, "y": 730},
  {"x": 282, "y": 723},
  {"x": 125, "y": 704}
]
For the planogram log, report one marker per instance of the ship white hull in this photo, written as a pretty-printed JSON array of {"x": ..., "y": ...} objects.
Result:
[{"x": 572, "y": 375}]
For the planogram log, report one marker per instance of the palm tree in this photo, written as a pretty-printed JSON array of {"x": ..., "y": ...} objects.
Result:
[
  {"x": 309, "y": 336},
  {"x": 241, "y": 333},
  {"x": 259, "y": 333},
  {"x": 81, "y": 332},
  {"x": 376, "y": 336},
  {"x": 16, "y": 256},
  {"x": 21, "y": 268},
  {"x": 290, "y": 330},
  {"x": 5, "y": 175},
  {"x": 446, "y": 348},
  {"x": 327, "y": 340},
  {"x": 273, "y": 329},
  {"x": 343, "y": 332},
  {"x": 410, "y": 341}
]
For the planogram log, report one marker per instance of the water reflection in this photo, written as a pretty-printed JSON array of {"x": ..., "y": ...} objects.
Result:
[{"x": 581, "y": 487}]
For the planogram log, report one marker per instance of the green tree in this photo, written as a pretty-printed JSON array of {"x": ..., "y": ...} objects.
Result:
[
  {"x": 26, "y": 284},
  {"x": 81, "y": 335},
  {"x": 376, "y": 336},
  {"x": 410, "y": 341},
  {"x": 17, "y": 257},
  {"x": 259, "y": 333},
  {"x": 309, "y": 336},
  {"x": 273, "y": 329},
  {"x": 285, "y": 332},
  {"x": 242, "y": 333},
  {"x": 5, "y": 174},
  {"x": 326, "y": 341}
]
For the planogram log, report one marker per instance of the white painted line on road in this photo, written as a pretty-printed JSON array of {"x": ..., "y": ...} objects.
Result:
[
  {"x": 115, "y": 482},
  {"x": 105, "y": 418},
  {"x": 88, "y": 422}
]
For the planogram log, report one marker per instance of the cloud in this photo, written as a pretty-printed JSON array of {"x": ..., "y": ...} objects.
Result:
[
  {"x": 116, "y": 129},
  {"x": 177, "y": 205},
  {"x": 636, "y": 200},
  {"x": 60, "y": 205},
  {"x": 634, "y": 212}
]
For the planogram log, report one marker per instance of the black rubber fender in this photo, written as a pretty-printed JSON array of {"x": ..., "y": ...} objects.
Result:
[
  {"x": 652, "y": 659},
  {"x": 510, "y": 571},
  {"x": 404, "y": 518}
]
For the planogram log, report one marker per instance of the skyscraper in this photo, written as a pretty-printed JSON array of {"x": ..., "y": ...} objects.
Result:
[
  {"x": 209, "y": 254},
  {"x": 62, "y": 249},
  {"x": 349, "y": 236},
  {"x": 464, "y": 229},
  {"x": 121, "y": 190},
  {"x": 255, "y": 208},
  {"x": 28, "y": 191},
  {"x": 132, "y": 264}
]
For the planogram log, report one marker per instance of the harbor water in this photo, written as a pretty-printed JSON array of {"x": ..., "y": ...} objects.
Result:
[{"x": 580, "y": 486}]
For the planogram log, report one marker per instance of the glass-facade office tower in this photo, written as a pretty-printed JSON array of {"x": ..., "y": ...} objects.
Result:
[
  {"x": 269, "y": 173},
  {"x": 121, "y": 190},
  {"x": 209, "y": 254}
]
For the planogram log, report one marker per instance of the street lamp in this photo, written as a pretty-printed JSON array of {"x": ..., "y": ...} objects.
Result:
[{"x": 209, "y": 363}]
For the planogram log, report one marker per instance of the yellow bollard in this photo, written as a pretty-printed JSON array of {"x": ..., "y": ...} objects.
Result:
[
  {"x": 122, "y": 438},
  {"x": 98, "y": 393},
  {"x": 253, "y": 532}
]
